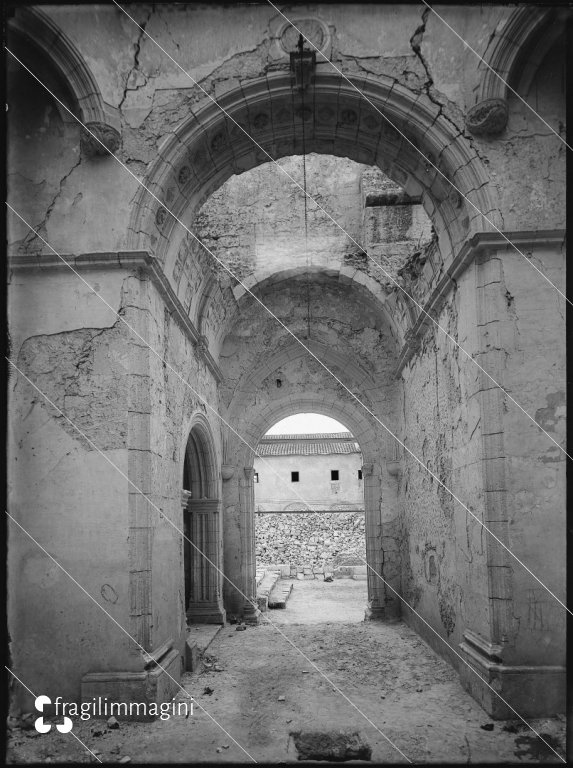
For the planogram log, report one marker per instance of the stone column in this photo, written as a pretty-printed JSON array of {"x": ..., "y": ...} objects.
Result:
[
  {"x": 205, "y": 605},
  {"x": 247, "y": 503}
]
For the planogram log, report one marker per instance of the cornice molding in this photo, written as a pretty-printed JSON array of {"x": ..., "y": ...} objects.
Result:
[
  {"x": 482, "y": 242},
  {"x": 142, "y": 260}
]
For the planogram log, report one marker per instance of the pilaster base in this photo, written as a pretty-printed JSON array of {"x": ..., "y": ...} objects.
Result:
[
  {"x": 207, "y": 613},
  {"x": 125, "y": 690},
  {"x": 251, "y": 615},
  {"x": 388, "y": 613},
  {"x": 532, "y": 691}
]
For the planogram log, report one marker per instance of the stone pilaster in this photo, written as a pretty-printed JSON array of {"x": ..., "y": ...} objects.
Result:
[
  {"x": 247, "y": 503},
  {"x": 382, "y": 602}
]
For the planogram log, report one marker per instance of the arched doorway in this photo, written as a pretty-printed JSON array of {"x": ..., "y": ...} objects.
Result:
[
  {"x": 310, "y": 520},
  {"x": 201, "y": 526},
  {"x": 380, "y": 500}
]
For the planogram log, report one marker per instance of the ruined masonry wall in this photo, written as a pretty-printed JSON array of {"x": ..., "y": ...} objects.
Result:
[
  {"x": 319, "y": 540},
  {"x": 535, "y": 374}
]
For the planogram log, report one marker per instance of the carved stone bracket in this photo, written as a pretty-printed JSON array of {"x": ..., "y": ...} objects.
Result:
[
  {"x": 488, "y": 117},
  {"x": 109, "y": 137},
  {"x": 227, "y": 471},
  {"x": 249, "y": 473}
]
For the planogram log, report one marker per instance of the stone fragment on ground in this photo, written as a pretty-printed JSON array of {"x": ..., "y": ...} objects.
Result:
[{"x": 336, "y": 746}]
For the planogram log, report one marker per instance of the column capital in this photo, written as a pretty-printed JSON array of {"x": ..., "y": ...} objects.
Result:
[{"x": 185, "y": 498}]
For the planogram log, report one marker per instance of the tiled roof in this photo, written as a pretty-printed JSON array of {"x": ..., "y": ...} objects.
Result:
[
  {"x": 307, "y": 448},
  {"x": 317, "y": 444},
  {"x": 312, "y": 436}
]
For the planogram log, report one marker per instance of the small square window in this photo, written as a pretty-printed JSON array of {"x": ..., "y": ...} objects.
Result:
[
  {"x": 256, "y": 477},
  {"x": 334, "y": 474},
  {"x": 294, "y": 477},
  {"x": 360, "y": 474}
]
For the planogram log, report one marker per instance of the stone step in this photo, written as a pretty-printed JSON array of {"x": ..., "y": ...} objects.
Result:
[
  {"x": 264, "y": 588},
  {"x": 356, "y": 572},
  {"x": 280, "y": 594}
]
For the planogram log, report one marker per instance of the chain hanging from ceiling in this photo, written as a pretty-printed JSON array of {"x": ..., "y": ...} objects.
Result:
[{"x": 302, "y": 64}]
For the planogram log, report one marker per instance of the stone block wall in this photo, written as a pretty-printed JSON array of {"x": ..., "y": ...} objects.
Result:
[{"x": 312, "y": 540}]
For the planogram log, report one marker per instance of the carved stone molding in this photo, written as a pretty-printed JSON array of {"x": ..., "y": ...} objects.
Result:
[
  {"x": 124, "y": 260},
  {"x": 479, "y": 243},
  {"x": 488, "y": 117},
  {"x": 185, "y": 497},
  {"x": 109, "y": 137}
]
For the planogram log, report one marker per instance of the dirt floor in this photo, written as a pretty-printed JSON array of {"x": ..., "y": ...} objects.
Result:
[{"x": 379, "y": 679}]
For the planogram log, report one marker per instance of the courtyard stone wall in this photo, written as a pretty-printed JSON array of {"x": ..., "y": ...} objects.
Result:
[{"x": 326, "y": 540}]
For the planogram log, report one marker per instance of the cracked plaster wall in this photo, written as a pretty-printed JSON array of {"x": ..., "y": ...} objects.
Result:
[
  {"x": 63, "y": 194},
  {"x": 532, "y": 335},
  {"x": 222, "y": 47},
  {"x": 442, "y": 429},
  {"x": 63, "y": 491},
  {"x": 527, "y": 163},
  {"x": 60, "y": 488},
  {"x": 508, "y": 473}
]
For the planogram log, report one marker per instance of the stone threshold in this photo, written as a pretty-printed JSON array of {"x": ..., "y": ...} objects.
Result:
[{"x": 300, "y": 572}]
